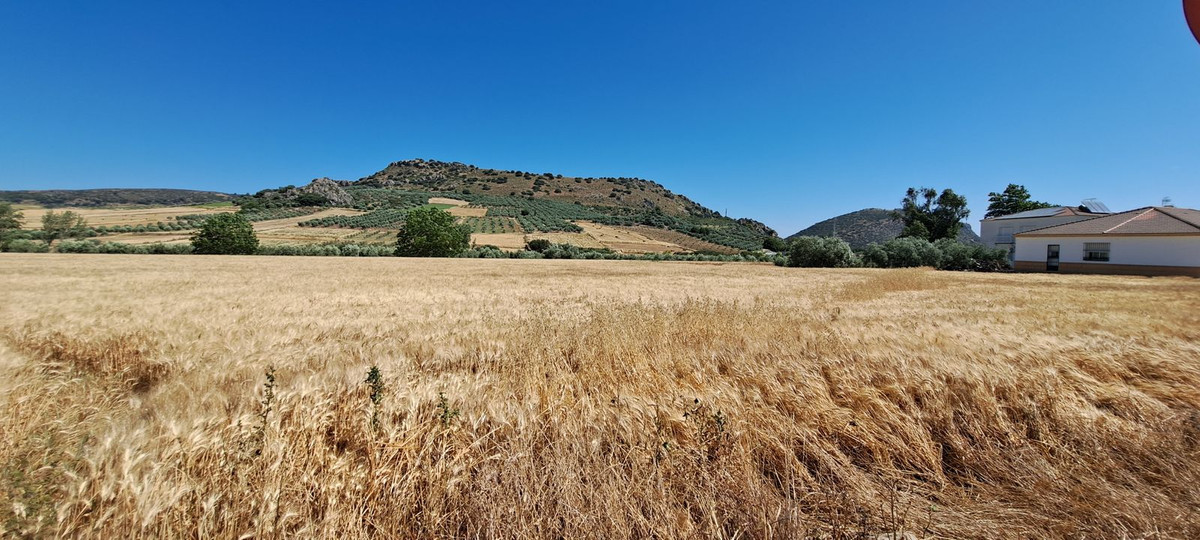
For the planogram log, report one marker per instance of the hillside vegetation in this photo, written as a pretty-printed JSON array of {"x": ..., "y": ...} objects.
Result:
[
  {"x": 869, "y": 225},
  {"x": 106, "y": 197},
  {"x": 168, "y": 397},
  {"x": 620, "y": 195},
  {"x": 503, "y": 208}
]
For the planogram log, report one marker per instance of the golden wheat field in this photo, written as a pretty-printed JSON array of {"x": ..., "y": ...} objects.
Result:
[{"x": 220, "y": 397}]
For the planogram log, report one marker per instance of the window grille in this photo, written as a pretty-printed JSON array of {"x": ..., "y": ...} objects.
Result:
[{"x": 1095, "y": 251}]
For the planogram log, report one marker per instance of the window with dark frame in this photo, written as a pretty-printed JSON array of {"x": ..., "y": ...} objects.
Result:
[{"x": 1095, "y": 251}]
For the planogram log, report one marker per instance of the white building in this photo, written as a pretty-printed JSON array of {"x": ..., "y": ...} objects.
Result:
[
  {"x": 1151, "y": 241},
  {"x": 998, "y": 232}
]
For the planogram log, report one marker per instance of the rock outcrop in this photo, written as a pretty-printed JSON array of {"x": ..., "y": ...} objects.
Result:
[{"x": 329, "y": 189}]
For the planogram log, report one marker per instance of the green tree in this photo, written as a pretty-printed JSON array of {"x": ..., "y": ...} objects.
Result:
[
  {"x": 1015, "y": 198},
  {"x": 65, "y": 224},
  {"x": 225, "y": 234},
  {"x": 431, "y": 232},
  {"x": 10, "y": 223},
  {"x": 931, "y": 216},
  {"x": 775, "y": 243}
]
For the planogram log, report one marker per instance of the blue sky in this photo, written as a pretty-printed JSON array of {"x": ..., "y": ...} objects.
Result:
[{"x": 788, "y": 112}]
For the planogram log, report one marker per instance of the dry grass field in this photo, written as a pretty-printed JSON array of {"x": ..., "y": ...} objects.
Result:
[
  {"x": 596, "y": 235},
  {"x": 626, "y": 240},
  {"x": 201, "y": 397}
]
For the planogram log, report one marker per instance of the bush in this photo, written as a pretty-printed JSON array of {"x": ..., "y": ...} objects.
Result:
[
  {"x": 25, "y": 245},
  {"x": 78, "y": 246},
  {"x": 92, "y": 246},
  {"x": 816, "y": 252},
  {"x": 909, "y": 252},
  {"x": 959, "y": 256},
  {"x": 875, "y": 256},
  {"x": 774, "y": 243},
  {"x": 539, "y": 245},
  {"x": 955, "y": 255},
  {"x": 491, "y": 252},
  {"x": 170, "y": 249},
  {"x": 311, "y": 199},
  {"x": 431, "y": 232},
  {"x": 225, "y": 234}
]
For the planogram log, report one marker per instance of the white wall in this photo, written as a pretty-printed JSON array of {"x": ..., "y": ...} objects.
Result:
[
  {"x": 1147, "y": 250},
  {"x": 991, "y": 229}
]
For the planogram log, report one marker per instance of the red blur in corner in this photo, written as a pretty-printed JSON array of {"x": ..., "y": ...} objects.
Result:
[{"x": 1191, "y": 11}]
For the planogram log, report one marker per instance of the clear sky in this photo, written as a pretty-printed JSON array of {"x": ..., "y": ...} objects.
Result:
[{"x": 788, "y": 112}]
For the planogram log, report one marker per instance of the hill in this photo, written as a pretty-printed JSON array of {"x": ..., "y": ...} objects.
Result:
[
  {"x": 118, "y": 196},
  {"x": 613, "y": 195},
  {"x": 869, "y": 225},
  {"x": 503, "y": 206}
]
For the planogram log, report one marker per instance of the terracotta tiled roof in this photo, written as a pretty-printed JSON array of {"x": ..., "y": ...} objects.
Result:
[{"x": 1148, "y": 220}]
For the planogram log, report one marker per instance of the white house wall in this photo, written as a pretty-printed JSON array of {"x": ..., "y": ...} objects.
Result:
[{"x": 1131, "y": 250}]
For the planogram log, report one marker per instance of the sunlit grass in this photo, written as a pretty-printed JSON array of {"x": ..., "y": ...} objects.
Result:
[{"x": 551, "y": 399}]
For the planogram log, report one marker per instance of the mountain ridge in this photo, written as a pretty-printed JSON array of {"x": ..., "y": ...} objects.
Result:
[{"x": 869, "y": 225}]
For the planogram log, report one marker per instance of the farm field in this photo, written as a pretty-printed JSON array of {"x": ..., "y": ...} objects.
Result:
[
  {"x": 111, "y": 216},
  {"x": 682, "y": 240},
  {"x": 208, "y": 396},
  {"x": 595, "y": 235},
  {"x": 339, "y": 225},
  {"x": 286, "y": 223},
  {"x": 626, "y": 240},
  {"x": 506, "y": 241}
]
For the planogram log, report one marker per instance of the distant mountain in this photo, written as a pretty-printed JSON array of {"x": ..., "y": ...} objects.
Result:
[
  {"x": 870, "y": 225},
  {"x": 102, "y": 197}
]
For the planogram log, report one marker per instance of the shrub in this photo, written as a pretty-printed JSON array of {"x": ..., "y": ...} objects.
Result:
[
  {"x": 908, "y": 252},
  {"x": 816, "y": 252},
  {"x": 539, "y": 245},
  {"x": 955, "y": 255},
  {"x": 25, "y": 245},
  {"x": 774, "y": 243},
  {"x": 311, "y": 199},
  {"x": 78, "y": 246},
  {"x": 959, "y": 256},
  {"x": 171, "y": 249},
  {"x": 225, "y": 234},
  {"x": 875, "y": 256}
]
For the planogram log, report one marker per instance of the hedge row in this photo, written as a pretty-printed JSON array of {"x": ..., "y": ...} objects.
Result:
[
  {"x": 567, "y": 251},
  {"x": 92, "y": 246},
  {"x": 945, "y": 254}
]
